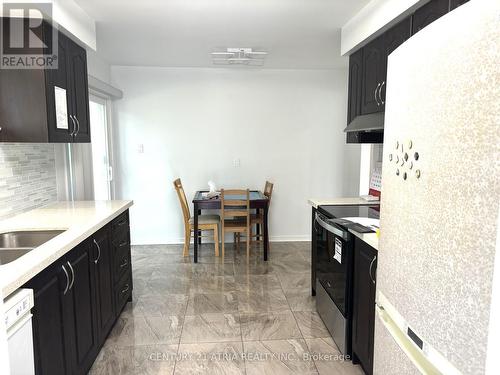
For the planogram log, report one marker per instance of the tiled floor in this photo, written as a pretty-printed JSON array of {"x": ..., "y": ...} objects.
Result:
[{"x": 217, "y": 317}]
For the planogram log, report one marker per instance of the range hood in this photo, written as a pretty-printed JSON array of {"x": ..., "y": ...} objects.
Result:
[{"x": 366, "y": 129}]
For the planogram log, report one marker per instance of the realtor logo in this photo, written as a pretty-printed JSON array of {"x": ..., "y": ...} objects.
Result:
[{"x": 27, "y": 41}]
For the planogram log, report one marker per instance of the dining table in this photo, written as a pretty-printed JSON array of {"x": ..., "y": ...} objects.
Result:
[{"x": 201, "y": 202}]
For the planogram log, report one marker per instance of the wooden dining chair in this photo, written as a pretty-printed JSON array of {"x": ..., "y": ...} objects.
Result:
[
  {"x": 205, "y": 222},
  {"x": 235, "y": 214},
  {"x": 257, "y": 218}
]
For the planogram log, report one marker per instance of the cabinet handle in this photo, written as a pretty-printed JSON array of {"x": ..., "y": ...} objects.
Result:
[
  {"x": 72, "y": 275},
  {"x": 124, "y": 243},
  {"x": 77, "y": 125},
  {"x": 0, "y": 129},
  {"x": 127, "y": 287},
  {"x": 124, "y": 264},
  {"x": 375, "y": 94},
  {"x": 98, "y": 252},
  {"x": 74, "y": 125},
  {"x": 120, "y": 223},
  {"x": 380, "y": 93},
  {"x": 370, "y": 271},
  {"x": 67, "y": 280}
]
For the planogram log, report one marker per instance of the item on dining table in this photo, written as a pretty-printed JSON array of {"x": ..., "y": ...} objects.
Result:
[{"x": 212, "y": 193}]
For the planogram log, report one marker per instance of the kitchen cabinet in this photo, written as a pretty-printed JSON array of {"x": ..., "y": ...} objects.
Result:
[
  {"x": 28, "y": 96},
  {"x": 393, "y": 38},
  {"x": 51, "y": 321},
  {"x": 456, "y": 3},
  {"x": 372, "y": 75},
  {"x": 81, "y": 296},
  {"x": 355, "y": 79},
  {"x": 363, "y": 326},
  {"x": 428, "y": 13},
  {"x": 76, "y": 301},
  {"x": 104, "y": 282}
]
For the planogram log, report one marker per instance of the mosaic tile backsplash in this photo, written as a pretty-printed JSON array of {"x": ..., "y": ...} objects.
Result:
[{"x": 27, "y": 177}]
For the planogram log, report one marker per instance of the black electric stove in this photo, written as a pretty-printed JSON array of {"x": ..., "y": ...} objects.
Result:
[{"x": 332, "y": 268}]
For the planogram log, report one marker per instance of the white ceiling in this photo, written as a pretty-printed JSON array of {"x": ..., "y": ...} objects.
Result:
[{"x": 302, "y": 34}]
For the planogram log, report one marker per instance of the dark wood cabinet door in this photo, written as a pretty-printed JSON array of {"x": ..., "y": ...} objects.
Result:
[
  {"x": 354, "y": 88},
  {"x": 393, "y": 38},
  {"x": 372, "y": 77},
  {"x": 428, "y": 13},
  {"x": 456, "y": 3},
  {"x": 365, "y": 263},
  {"x": 57, "y": 79},
  {"x": 80, "y": 92},
  {"x": 82, "y": 298},
  {"x": 104, "y": 281},
  {"x": 51, "y": 318}
]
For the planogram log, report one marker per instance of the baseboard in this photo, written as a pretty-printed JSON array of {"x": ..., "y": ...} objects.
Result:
[{"x": 180, "y": 240}]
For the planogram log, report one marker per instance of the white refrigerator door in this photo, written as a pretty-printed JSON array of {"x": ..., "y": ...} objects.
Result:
[{"x": 438, "y": 230}]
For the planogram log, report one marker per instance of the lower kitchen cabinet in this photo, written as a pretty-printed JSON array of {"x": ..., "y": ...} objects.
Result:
[
  {"x": 106, "y": 312},
  {"x": 365, "y": 266},
  {"x": 52, "y": 321},
  {"x": 76, "y": 301},
  {"x": 82, "y": 297}
]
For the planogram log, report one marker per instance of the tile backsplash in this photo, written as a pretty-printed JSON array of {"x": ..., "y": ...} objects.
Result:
[{"x": 27, "y": 177}]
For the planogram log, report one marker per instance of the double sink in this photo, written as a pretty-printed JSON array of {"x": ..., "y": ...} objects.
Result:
[{"x": 14, "y": 245}]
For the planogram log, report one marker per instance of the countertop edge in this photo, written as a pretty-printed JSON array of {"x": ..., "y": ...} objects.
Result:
[
  {"x": 343, "y": 201},
  {"x": 12, "y": 285}
]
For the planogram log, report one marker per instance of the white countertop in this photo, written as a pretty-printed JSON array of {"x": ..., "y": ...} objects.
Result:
[
  {"x": 344, "y": 201},
  {"x": 79, "y": 219}
]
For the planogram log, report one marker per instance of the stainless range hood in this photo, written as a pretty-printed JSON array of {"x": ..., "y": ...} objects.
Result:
[{"x": 366, "y": 129}]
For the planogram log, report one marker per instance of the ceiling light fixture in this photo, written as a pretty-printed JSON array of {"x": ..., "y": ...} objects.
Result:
[{"x": 239, "y": 56}]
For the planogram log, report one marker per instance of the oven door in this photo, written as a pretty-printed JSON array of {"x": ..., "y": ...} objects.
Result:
[{"x": 334, "y": 262}]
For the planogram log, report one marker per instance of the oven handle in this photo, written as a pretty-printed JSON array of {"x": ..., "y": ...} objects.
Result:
[{"x": 333, "y": 229}]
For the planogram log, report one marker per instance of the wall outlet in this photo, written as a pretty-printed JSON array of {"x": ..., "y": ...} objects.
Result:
[
  {"x": 236, "y": 162},
  {"x": 140, "y": 148}
]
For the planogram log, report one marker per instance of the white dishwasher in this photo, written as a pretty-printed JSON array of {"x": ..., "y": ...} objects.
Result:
[{"x": 17, "y": 313}]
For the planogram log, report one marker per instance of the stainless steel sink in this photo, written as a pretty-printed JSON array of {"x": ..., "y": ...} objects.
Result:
[
  {"x": 8, "y": 255},
  {"x": 14, "y": 245},
  {"x": 26, "y": 239}
]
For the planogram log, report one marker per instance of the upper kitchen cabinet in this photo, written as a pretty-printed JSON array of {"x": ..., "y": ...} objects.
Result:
[
  {"x": 393, "y": 38},
  {"x": 46, "y": 105},
  {"x": 355, "y": 72},
  {"x": 456, "y": 3},
  {"x": 429, "y": 13},
  {"x": 373, "y": 75}
]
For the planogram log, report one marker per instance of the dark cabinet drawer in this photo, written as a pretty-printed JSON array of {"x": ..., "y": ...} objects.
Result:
[
  {"x": 123, "y": 291},
  {"x": 119, "y": 225},
  {"x": 121, "y": 259}
]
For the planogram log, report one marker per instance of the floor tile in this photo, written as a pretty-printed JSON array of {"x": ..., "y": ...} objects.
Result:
[
  {"x": 211, "y": 328},
  {"x": 278, "y": 357},
  {"x": 329, "y": 360},
  {"x": 212, "y": 284},
  {"x": 131, "y": 332},
  {"x": 201, "y": 303},
  {"x": 162, "y": 304},
  {"x": 294, "y": 281},
  {"x": 301, "y": 300},
  {"x": 255, "y": 301},
  {"x": 167, "y": 329},
  {"x": 269, "y": 326},
  {"x": 149, "y": 360},
  {"x": 310, "y": 324},
  {"x": 210, "y": 358},
  {"x": 259, "y": 283}
]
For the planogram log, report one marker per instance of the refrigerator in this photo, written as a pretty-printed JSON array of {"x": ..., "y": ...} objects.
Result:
[{"x": 440, "y": 197}]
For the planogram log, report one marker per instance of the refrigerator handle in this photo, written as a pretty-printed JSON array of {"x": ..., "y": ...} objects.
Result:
[{"x": 370, "y": 270}]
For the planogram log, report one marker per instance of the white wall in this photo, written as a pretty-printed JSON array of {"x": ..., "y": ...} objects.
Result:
[
  {"x": 371, "y": 21},
  {"x": 284, "y": 125}
]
